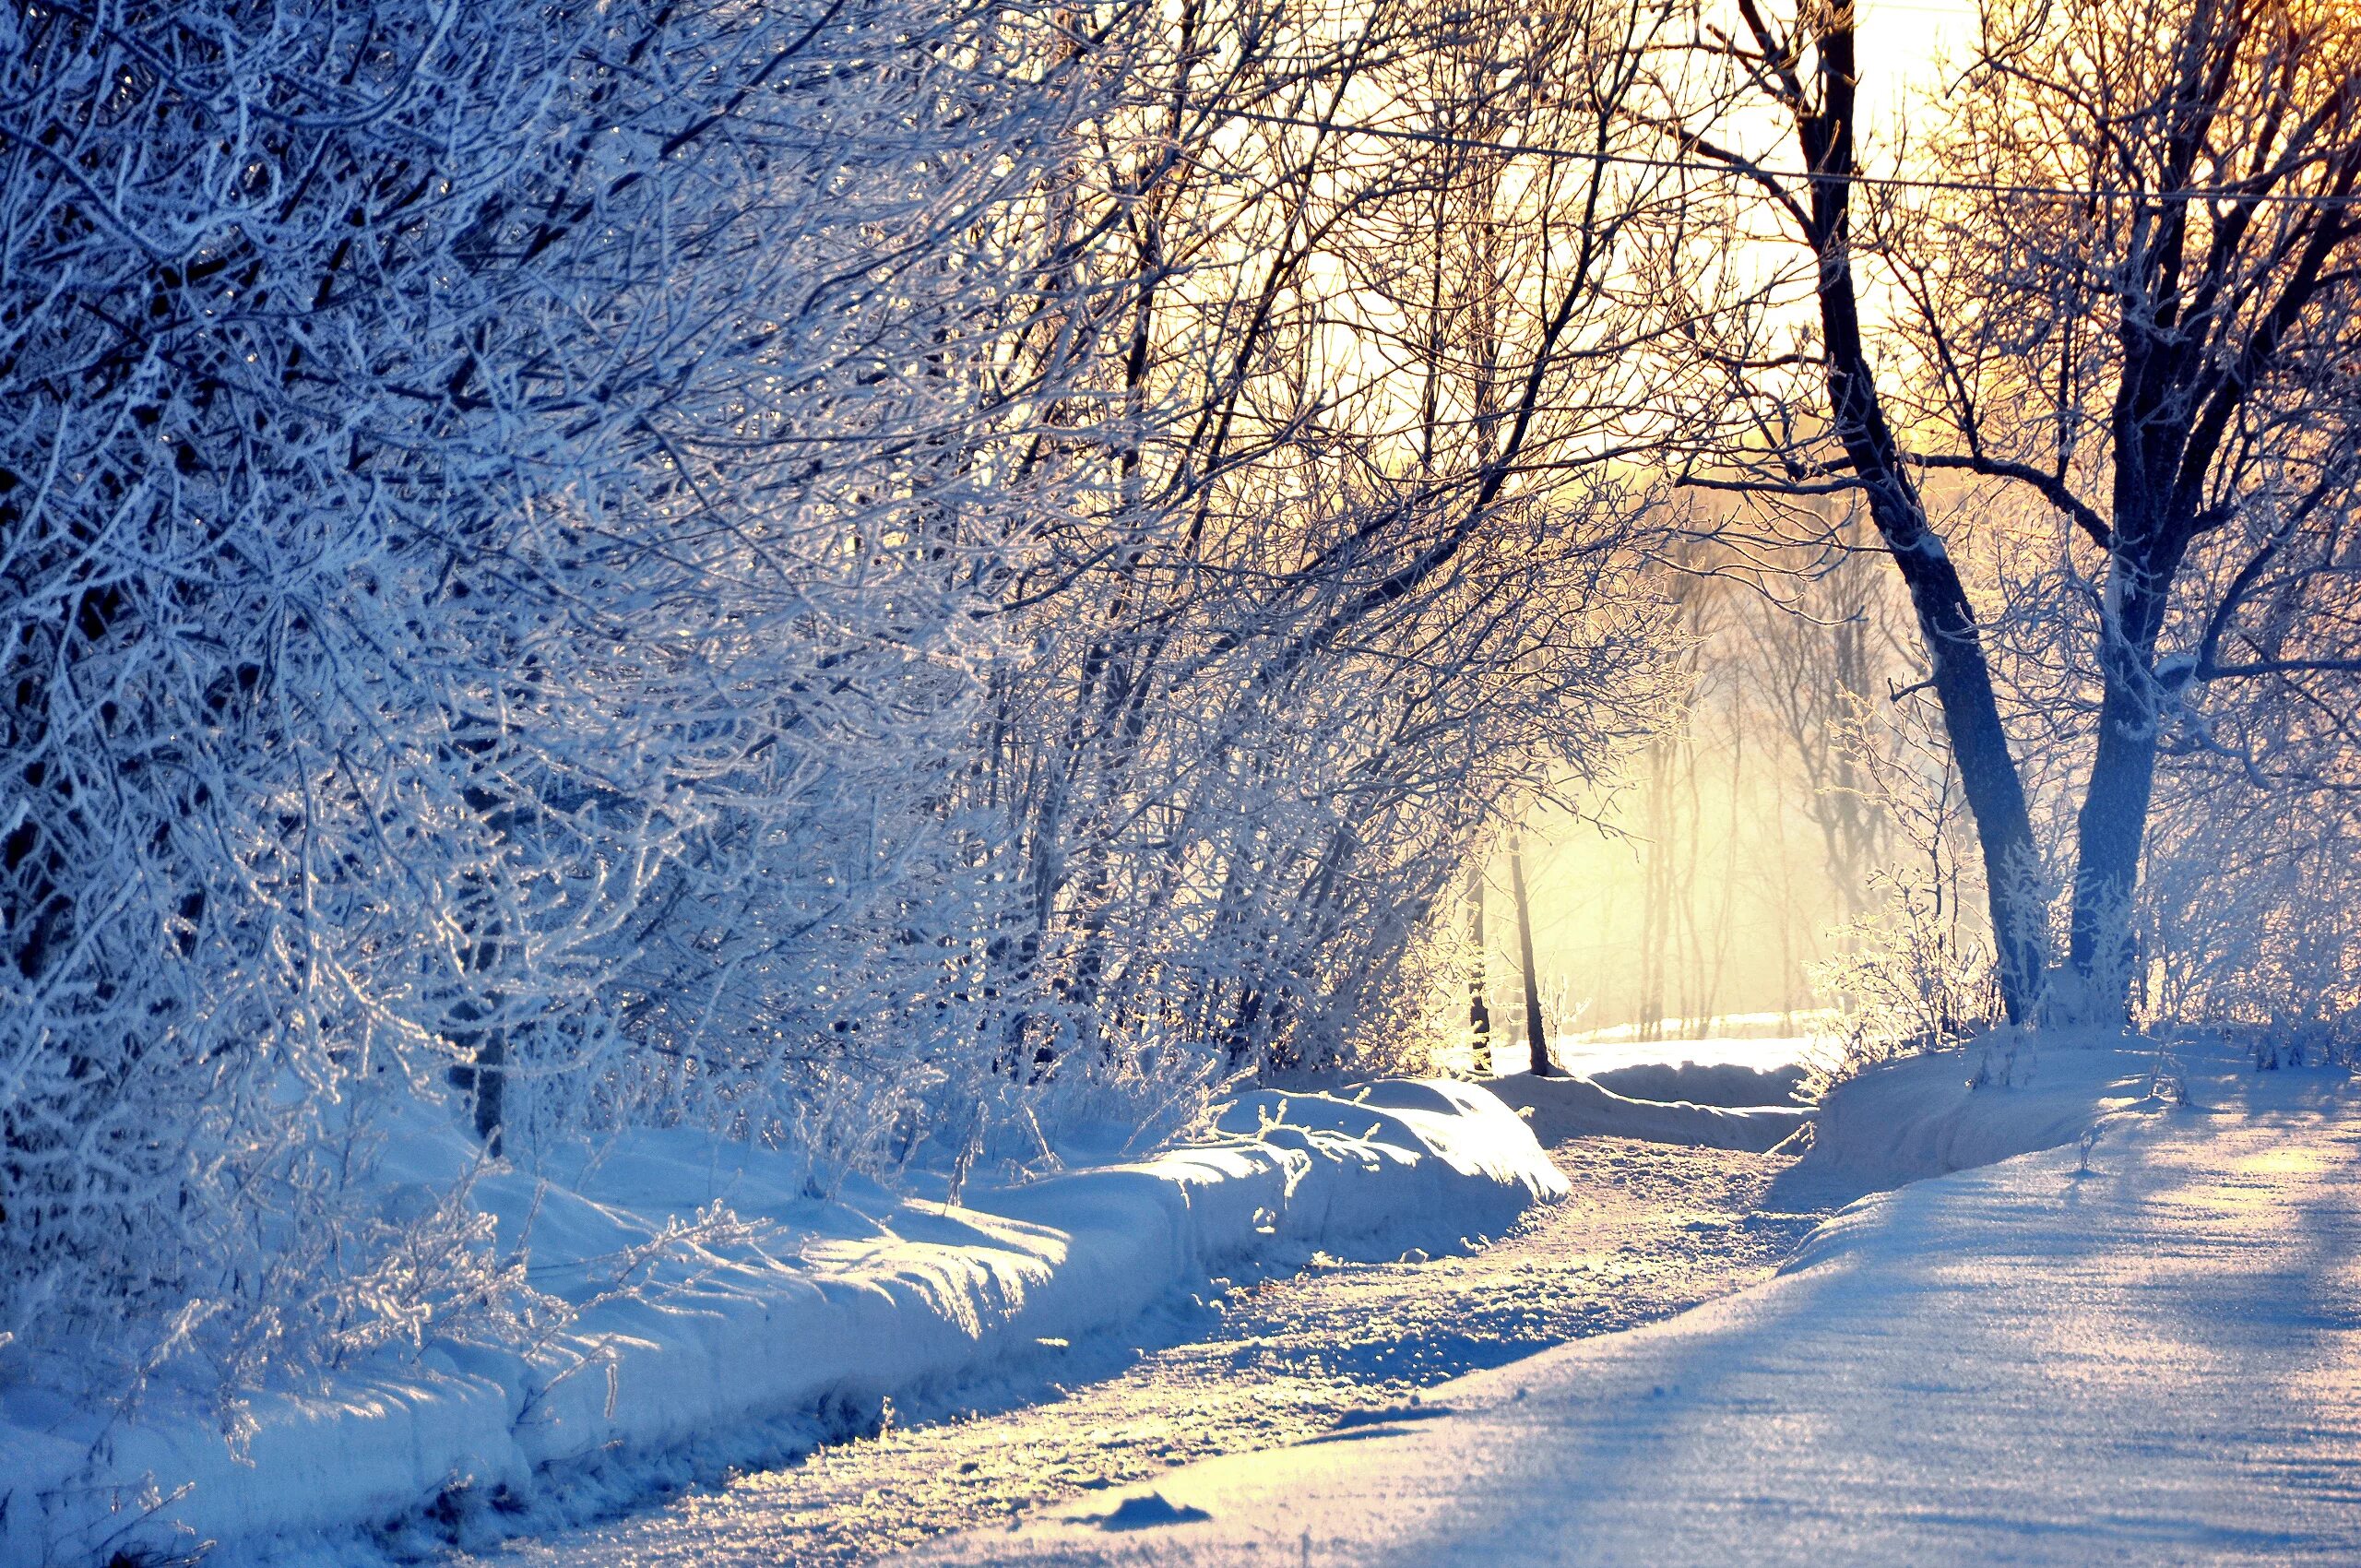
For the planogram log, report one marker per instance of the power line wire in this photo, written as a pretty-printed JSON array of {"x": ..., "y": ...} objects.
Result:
[{"x": 1752, "y": 170}]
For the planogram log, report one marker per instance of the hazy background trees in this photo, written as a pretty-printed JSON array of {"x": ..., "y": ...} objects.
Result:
[{"x": 1361, "y": 587}]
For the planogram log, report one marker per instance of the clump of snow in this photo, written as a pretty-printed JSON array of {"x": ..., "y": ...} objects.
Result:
[
  {"x": 1576, "y": 1107},
  {"x": 2143, "y": 1347},
  {"x": 1145, "y": 1512},
  {"x": 708, "y": 1290}
]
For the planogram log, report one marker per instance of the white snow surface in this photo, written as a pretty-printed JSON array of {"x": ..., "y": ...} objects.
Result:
[
  {"x": 808, "y": 1302},
  {"x": 1733, "y": 1084},
  {"x": 2147, "y": 1348},
  {"x": 1562, "y": 1107},
  {"x": 1928, "y": 1116}
]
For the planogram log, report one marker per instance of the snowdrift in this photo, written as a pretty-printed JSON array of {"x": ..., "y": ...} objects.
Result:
[
  {"x": 1920, "y": 1117},
  {"x": 1577, "y": 1107},
  {"x": 1733, "y": 1084},
  {"x": 802, "y": 1303},
  {"x": 2150, "y": 1354}
]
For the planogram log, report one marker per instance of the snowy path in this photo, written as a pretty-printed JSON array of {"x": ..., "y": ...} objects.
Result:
[
  {"x": 2155, "y": 1360},
  {"x": 1651, "y": 1229}
]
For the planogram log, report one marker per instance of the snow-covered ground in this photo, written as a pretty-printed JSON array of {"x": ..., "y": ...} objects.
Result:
[
  {"x": 2141, "y": 1346},
  {"x": 1651, "y": 1228},
  {"x": 1791, "y": 1029},
  {"x": 1562, "y": 1107},
  {"x": 2002, "y": 1096},
  {"x": 790, "y": 1307},
  {"x": 1982, "y": 1365}
]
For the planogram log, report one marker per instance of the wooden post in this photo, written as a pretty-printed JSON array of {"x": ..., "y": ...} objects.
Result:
[{"x": 1480, "y": 1014}]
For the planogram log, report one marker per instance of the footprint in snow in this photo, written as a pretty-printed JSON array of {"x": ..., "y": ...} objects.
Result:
[
  {"x": 1388, "y": 1415},
  {"x": 1147, "y": 1512}
]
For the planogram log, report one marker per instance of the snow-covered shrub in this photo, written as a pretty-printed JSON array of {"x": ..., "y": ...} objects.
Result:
[
  {"x": 1369, "y": 584},
  {"x": 1912, "y": 977},
  {"x": 599, "y": 564},
  {"x": 2246, "y": 921},
  {"x": 491, "y": 502}
]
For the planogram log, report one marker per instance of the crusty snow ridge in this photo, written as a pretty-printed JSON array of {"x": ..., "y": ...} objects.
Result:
[{"x": 806, "y": 1303}]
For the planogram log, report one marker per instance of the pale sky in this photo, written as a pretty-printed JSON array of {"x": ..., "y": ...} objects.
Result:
[{"x": 1900, "y": 40}]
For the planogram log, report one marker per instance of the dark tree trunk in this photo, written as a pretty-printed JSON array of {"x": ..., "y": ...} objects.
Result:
[
  {"x": 1537, "y": 1033},
  {"x": 2109, "y": 833},
  {"x": 2150, "y": 545},
  {"x": 1960, "y": 673}
]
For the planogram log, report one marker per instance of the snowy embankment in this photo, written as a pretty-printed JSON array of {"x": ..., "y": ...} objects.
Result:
[
  {"x": 2144, "y": 1347},
  {"x": 1928, "y": 1115},
  {"x": 1734, "y": 1083},
  {"x": 1562, "y": 1107},
  {"x": 801, "y": 1304}
]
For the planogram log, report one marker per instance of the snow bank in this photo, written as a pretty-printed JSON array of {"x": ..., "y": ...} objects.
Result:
[
  {"x": 806, "y": 1303},
  {"x": 2155, "y": 1359},
  {"x": 1577, "y": 1107},
  {"x": 1595, "y": 1059},
  {"x": 1734, "y": 1084},
  {"x": 1920, "y": 1117},
  {"x": 1913, "y": 1119}
]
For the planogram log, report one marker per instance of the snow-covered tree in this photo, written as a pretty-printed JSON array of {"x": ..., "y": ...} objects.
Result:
[
  {"x": 826, "y": 573},
  {"x": 1364, "y": 580},
  {"x": 494, "y": 501},
  {"x": 2115, "y": 292}
]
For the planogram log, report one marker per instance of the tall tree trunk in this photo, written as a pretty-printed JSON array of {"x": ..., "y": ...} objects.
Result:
[
  {"x": 1659, "y": 845},
  {"x": 2109, "y": 836},
  {"x": 2113, "y": 824},
  {"x": 1960, "y": 673},
  {"x": 1537, "y": 1034}
]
